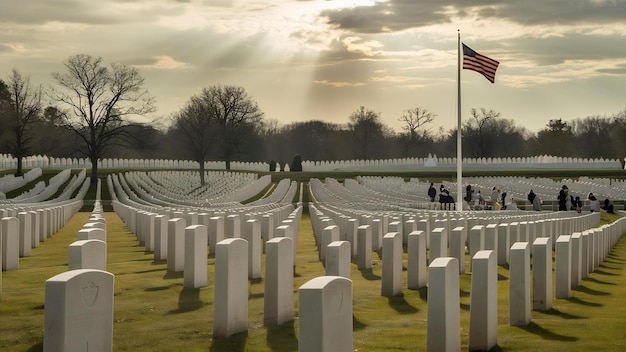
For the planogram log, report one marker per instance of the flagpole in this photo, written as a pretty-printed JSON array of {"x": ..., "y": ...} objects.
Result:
[{"x": 459, "y": 153}]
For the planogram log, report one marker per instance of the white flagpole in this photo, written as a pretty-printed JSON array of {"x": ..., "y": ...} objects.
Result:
[{"x": 459, "y": 153}]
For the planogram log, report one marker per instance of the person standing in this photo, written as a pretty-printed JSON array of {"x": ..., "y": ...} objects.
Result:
[
  {"x": 495, "y": 193},
  {"x": 578, "y": 205},
  {"x": 432, "y": 192},
  {"x": 534, "y": 200},
  {"x": 594, "y": 203},
  {"x": 563, "y": 198},
  {"x": 468, "y": 194}
]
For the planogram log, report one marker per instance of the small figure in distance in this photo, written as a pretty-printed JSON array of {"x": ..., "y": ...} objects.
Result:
[
  {"x": 534, "y": 200},
  {"x": 563, "y": 197},
  {"x": 578, "y": 205},
  {"x": 594, "y": 203},
  {"x": 608, "y": 206},
  {"x": 432, "y": 192}
]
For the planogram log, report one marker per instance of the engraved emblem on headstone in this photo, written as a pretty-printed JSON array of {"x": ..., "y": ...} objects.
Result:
[{"x": 89, "y": 293}]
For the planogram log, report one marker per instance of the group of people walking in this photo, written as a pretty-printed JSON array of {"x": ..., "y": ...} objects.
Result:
[{"x": 475, "y": 199}]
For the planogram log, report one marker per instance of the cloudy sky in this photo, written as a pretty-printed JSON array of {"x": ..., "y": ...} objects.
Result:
[{"x": 303, "y": 60}]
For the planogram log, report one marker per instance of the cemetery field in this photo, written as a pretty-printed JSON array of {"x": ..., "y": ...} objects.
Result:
[
  {"x": 437, "y": 176},
  {"x": 152, "y": 311}
]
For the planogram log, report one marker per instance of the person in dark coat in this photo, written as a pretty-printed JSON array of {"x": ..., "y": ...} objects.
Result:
[
  {"x": 534, "y": 200},
  {"x": 563, "y": 196},
  {"x": 432, "y": 192}
]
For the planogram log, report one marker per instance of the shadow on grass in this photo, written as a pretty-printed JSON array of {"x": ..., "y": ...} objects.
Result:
[
  {"x": 282, "y": 337},
  {"x": 142, "y": 260},
  {"x": 356, "y": 324},
  {"x": 147, "y": 271},
  {"x": 592, "y": 279},
  {"x": 502, "y": 277},
  {"x": 590, "y": 291},
  {"x": 36, "y": 347},
  {"x": 558, "y": 313},
  {"x": 401, "y": 305},
  {"x": 465, "y": 306},
  {"x": 177, "y": 275},
  {"x": 256, "y": 281},
  {"x": 616, "y": 258},
  {"x": 577, "y": 300},
  {"x": 235, "y": 343},
  {"x": 256, "y": 295},
  {"x": 602, "y": 272},
  {"x": 188, "y": 300},
  {"x": 159, "y": 288},
  {"x": 423, "y": 292},
  {"x": 369, "y": 275},
  {"x": 546, "y": 334}
]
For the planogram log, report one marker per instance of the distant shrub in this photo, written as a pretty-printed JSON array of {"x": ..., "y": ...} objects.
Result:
[
  {"x": 296, "y": 164},
  {"x": 272, "y": 165}
]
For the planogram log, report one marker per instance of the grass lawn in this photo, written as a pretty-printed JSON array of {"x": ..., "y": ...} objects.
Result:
[{"x": 154, "y": 313}]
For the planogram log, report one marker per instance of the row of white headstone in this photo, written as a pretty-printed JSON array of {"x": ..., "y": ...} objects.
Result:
[
  {"x": 517, "y": 163},
  {"x": 10, "y": 182},
  {"x": 160, "y": 189},
  {"x": 237, "y": 251},
  {"x": 24, "y": 226},
  {"x": 236, "y": 248},
  {"x": 44, "y": 161},
  {"x": 78, "y": 313},
  {"x": 579, "y": 248}
]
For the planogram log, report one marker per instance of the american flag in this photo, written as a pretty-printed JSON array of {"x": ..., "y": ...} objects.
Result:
[{"x": 479, "y": 63}]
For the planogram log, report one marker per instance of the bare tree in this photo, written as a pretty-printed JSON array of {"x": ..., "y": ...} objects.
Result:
[
  {"x": 198, "y": 131},
  {"x": 414, "y": 121},
  {"x": 367, "y": 131},
  {"x": 99, "y": 100},
  {"x": 235, "y": 112},
  {"x": 476, "y": 129},
  {"x": 24, "y": 110}
]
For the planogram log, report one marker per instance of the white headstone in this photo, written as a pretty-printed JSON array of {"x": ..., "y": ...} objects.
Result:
[
  {"x": 9, "y": 229},
  {"x": 325, "y": 315},
  {"x": 196, "y": 241},
  {"x": 443, "y": 331},
  {"x": 338, "y": 259},
  {"x": 483, "y": 331},
  {"x": 252, "y": 234},
  {"x": 176, "y": 245},
  {"x": 91, "y": 233},
  {"x": 216, "y": 232},
  {"x": 364, "y": 247},
  {"x": 160, "y": 237},
  {"x": 278, "y": 295},
  {"x": 519, "y": 284},
  {"x": 25, "y": 234},
  {"x": 416, "y": 260},
  {"x": 330, "y": 234},
  {"x": 563, "y": 267},
  {"x": 391, "y": 283},
  {"x": 78, "y": 313},
  {"x": 88, "y": 254},
  {"x": 230, "y": 302}
]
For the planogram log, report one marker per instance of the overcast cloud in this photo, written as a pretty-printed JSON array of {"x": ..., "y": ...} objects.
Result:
[{"x": 304, "y": 60}]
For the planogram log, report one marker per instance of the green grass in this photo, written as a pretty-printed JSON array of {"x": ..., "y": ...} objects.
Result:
[{"x": 153, "y": 312}]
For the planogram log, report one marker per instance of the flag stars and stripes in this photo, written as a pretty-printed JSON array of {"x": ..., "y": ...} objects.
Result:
[{"x": 479, "y": 63}]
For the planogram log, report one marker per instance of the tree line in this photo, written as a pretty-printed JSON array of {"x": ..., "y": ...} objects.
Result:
[{"x": 91, "y": 112}]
